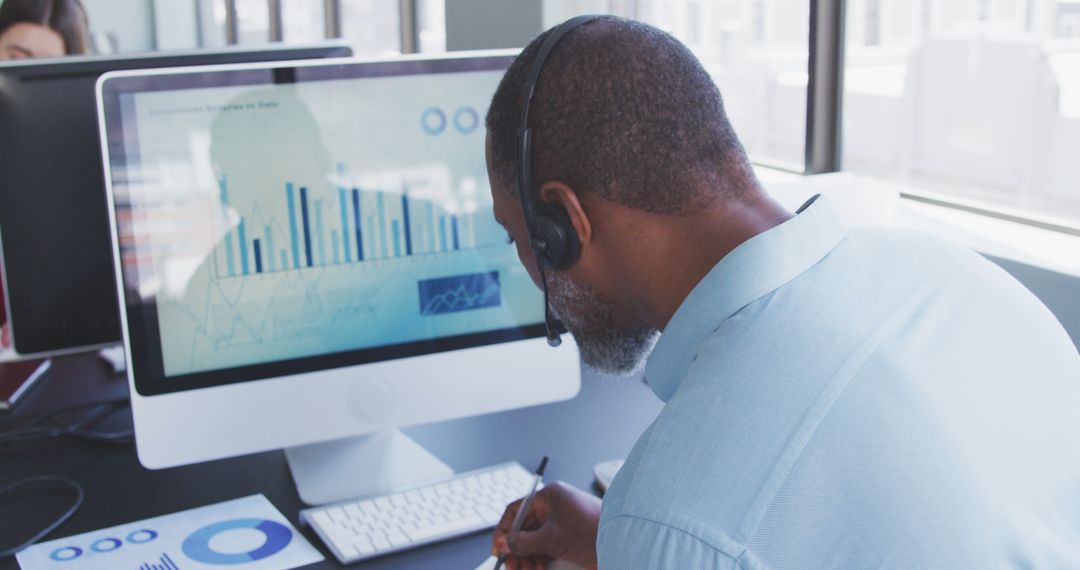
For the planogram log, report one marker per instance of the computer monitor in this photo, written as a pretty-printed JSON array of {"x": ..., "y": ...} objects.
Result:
[
  {"x": 308, "y": 254},
  {"x": 56, "y": 255}
]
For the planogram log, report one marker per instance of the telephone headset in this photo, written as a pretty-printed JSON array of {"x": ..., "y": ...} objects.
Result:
[{"x": 552, "y": 237}]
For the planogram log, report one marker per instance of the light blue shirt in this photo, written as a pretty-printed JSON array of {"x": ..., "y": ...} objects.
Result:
[{"x": 853, "y": 399}]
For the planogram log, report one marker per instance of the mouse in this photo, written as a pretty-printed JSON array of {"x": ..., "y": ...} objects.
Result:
[{"x": 605, "y": 471}]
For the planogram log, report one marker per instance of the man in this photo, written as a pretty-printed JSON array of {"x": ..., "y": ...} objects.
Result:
[{"x": 835, "y": 398}]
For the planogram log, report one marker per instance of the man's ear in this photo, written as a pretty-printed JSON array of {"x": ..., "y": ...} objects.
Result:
[{"x": 560, "y": 195}]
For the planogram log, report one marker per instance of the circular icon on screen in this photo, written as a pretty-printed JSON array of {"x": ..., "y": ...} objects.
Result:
[
  {"x": 466, "y": 120},
  {"x": 197, "y": 546},
  {"x": 433, "y": 121}
]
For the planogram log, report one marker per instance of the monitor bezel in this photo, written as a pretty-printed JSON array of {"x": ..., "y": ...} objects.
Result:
[{"x": 139, "y": 319}]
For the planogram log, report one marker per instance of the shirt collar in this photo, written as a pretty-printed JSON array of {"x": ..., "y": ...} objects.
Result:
[{"x": 752, "y": 270}]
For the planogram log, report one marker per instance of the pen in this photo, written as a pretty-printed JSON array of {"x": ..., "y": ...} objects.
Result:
[{"x": 519, "y": 518}]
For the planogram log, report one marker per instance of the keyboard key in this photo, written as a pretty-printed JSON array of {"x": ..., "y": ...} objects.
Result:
[
  {"x": 332, "y": 532},
  {"x": 398, "y": 539},
  {"x": 446, "y": 528},
  {"x": 322, "y": 518}
]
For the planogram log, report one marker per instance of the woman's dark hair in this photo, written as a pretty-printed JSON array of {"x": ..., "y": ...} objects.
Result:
[{"x": 65, "y": 17}]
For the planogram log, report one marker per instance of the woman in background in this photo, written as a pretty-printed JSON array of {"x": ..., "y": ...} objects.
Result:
[
  {"x": 39, "y": 28},
  {"x": 42, "y": 28}
]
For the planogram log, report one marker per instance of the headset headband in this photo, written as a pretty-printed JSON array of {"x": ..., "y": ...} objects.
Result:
[
  {"x": 545, "y": 249},
  {"x": 525, "y": 193}
]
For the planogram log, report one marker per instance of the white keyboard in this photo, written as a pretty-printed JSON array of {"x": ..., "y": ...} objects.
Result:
[{"x": 365, "y": 528}]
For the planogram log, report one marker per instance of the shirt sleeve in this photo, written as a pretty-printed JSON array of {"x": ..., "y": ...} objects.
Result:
[{"x": 631, "y": 543}]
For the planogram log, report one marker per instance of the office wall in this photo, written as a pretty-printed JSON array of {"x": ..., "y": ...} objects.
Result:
[
  {"x": 1058, "y": 291},
  {"x": 488, "y": 24}
]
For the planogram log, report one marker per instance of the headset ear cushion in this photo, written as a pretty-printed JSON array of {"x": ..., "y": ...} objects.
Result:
[{"x": 561, "y": 239}]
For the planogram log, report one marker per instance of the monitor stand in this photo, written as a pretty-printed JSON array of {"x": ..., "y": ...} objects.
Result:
[{"x": 373, "y": 464}]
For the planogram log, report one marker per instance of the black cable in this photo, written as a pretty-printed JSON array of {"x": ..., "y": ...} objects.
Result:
[
  {"x": 50, "y": 425},
  {"x": 70, "y": 483}
]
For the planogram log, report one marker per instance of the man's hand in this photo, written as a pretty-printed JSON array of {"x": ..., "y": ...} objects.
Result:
[{"x": 561, "y": 523}]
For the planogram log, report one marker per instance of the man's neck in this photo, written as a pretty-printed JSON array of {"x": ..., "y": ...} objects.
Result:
[{"x": 690, "y": 246}]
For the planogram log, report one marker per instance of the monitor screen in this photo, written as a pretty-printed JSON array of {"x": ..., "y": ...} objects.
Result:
[
  {"x": 278, "y": 220},
  {"x": 54, "y": 227}
]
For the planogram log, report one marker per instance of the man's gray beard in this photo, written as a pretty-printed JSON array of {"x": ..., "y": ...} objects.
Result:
[{"x": 590, "y": 318}]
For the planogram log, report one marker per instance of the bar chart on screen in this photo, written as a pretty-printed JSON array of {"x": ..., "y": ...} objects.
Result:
[{"x": 302, "y": 228}]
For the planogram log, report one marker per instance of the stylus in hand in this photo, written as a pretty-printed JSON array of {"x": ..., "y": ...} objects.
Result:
[{"x": 519, "y": 518}]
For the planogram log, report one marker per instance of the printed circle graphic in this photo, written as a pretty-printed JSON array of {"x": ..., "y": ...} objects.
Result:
[
  {"x": 197, "y": 546},
  {"x": 466, "y": 120},
  {"x": 141, "y": 536},
  {"x": 58, "y": 554},
  {"x": 433, "y": 121},
  {"x": 114, "y": 543}
]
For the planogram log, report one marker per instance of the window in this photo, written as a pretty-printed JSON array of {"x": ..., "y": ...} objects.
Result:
[
  {"x": 302, "y": 21},
  {"x": 253, "y": 21},
  {"x": 1068, "y": 20},
  {"x": 757, "y": 19},
  {"x": 872, "y": 33},
  {"x": 372, "y": 27},
  {"x": 756, "y": 51},
  {"x": 431, "y": 25},
  {"x": 974, "y": 100}
]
